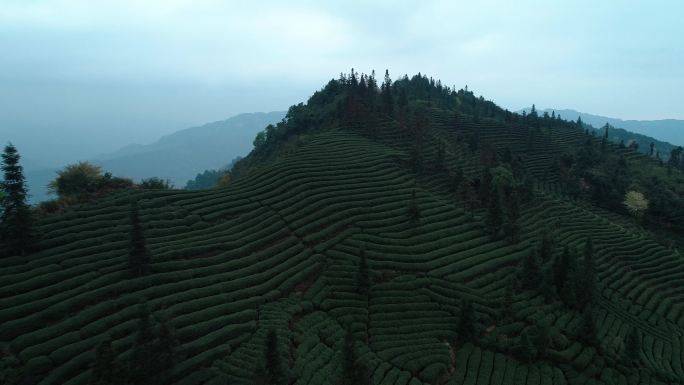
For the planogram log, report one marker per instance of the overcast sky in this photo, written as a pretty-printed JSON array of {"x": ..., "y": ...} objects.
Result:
[{"x": 83, "y": 77}]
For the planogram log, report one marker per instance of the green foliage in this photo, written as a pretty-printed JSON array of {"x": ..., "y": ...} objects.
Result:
[
  {"x": 155, "y": 183},
  {"x": 138, "y": 255},
  {"x": 106, "y": 369},
  {"x": 83, "y": 181},
  {"x": 363, "y": 278},
  {"x": 354, "y": 372},
  {"x": 467, "y": 324},
  {"x": 632, "y": 350},
  {"x": 16, "y": 221},
  {"x": 494, "y": 220}
]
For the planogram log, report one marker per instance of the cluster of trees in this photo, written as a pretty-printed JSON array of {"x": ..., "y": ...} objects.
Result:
[
  {"x": 212, "y": 178},
  {"x": 83, "y": 181},
  {"x": 74, "y": 184}
]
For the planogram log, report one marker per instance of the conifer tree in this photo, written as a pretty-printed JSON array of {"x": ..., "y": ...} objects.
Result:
[
  {"x": 565, "y": 276},
  {"x": 531, "y": 272},
  {"x": 587, "y": 328},
  {"x": 353, "y": 372},
  {"x": 165, "y": 348},
  {"x": 413, "y": 209},
  {"x": 511, "y": 226},
  {"x": 15, "y": 222},
  {"x": 273, "y": 369},
  {"x": 387, "y": 99},
  {"x": 106, "y": 370},
  {"x": 142, "y": 360},
  {"x": 485, "y": 192},
  {"x": 466, "y": 322},
  {"x": 546, "y": 246},
  {"x": 363, "y": 279},
  {"x": 526, "y": 350},
  {"x": 138, "y": 254},
  {"x": 632, "y": 346},
  {"x": 589, "y": 274},
  {"x": 494, "y": 219}
]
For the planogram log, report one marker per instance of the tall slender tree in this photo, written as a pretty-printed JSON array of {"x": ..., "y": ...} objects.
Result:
[
  {"x": 363, "y": 279},
  {"x": 353, "y": 371},
  {"x": 138, "y": 254},
  {"x": 386, "y": 94},
  {"x": 632, "y": 346},
  {"x": 106, "y": 370},
  {"x": 466, "y": 323},
  {"x": 16, "y": 226}
]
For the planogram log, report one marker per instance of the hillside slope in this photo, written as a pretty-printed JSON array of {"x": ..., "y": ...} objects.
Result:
[{"x": 280, "y": 249}]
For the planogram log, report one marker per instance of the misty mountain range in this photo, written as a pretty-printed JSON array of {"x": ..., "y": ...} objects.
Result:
[
  {"x": 180, "y": 156},
  {"x": 177, "y": 157}
]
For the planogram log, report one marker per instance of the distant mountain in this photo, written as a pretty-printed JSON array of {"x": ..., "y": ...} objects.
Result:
[
  {"x": 178, "y": 157},
  {"x": 666, "y": 134}
]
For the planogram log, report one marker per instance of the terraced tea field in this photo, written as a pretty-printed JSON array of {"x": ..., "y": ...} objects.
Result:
[{"x": 279, "y": 249}]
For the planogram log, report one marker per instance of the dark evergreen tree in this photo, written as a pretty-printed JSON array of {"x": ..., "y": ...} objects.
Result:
[
  {"x": 275, "y": 371},
  {"x": 106, "y": 370},
  {"x": 587, "y": 328},
  {"x": 486, "y": 187},
  {"x": 494, "y": 219},
  {"x": 564, "y": 276},
  {"x": 138, "y": 255},
  {"x": 165, "y": 348},
  {"x": 363, "y": 278},
  {"x": 589, "y": 274},
  {"x": 531, "y": 272},
  {"x": 353, "y": 371},
  {"x": 542, "y": 338},
  {"x": 526, "y": 349},
  {"x": 466, "y": 323},
  {"x": 386, "y": 94},
  {"x": 441, "y": 156},
  {"x": 511, "y": 225},
  {"x": 546, "y": 246},
  {"x": 507, "y": 305},
  {"x": 413, "y": 208},
  {"x": 16, "y": 224},
  {"x": 632, "y": 347},
  {"x": 141, "y": 366}
]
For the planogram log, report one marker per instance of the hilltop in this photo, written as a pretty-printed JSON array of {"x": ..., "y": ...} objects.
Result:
[{"x": 403, "y": 233}]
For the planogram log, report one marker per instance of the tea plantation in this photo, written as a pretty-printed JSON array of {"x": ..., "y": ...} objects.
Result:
[{"x": 284, "y": 248}]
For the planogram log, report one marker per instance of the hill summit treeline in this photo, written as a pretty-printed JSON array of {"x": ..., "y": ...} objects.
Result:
[
  {"x": 385, "y": 232},
  {"x": 588, "y": 167}
]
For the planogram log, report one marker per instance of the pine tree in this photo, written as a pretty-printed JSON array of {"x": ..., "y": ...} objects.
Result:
[
  {"x": 494, "y": 219},
  {"x": 632, "y": 346},
  {"x": 16, "y": 223},
  {"x": 165, "y": 348},
  {"x": 363, "y": 279},
  {"x": 531, "y": 272},
  {"x": 485, "y": 192},
  {"x": 587, "y": 328},
  {"x": 413, "y": 209},
  {"x": 466, "y": 322},
  {"x": 387, "y": 99},
  {"x": 141, "y": 362},
  {"x": 138, "y": 254},
  {"x": 511, "y": 226},
  {"x": 274, "y": 366},
  {"x": 589, "y": 276},
  {"x": 106, "y": 370},
  {"x": 546, "y": 246},
  {"x": 353, "y": 372},
  {"x": 526, "y": 350},
  {"x": 565, "y": 276}
]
